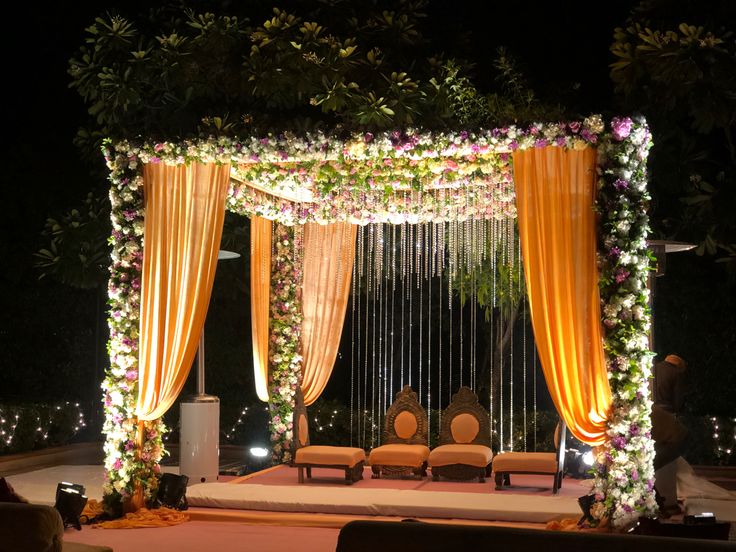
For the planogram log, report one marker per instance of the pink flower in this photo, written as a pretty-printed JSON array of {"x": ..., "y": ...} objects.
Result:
[{"x": 621, "y": 127}]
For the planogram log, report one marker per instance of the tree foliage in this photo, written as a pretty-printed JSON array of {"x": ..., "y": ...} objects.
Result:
[{"x": 681, "y": 72}]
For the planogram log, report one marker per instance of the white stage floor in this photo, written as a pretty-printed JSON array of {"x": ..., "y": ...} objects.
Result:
[{"x": 698, "y": 496}]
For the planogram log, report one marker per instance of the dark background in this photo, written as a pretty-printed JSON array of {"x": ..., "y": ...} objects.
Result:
[{"x": 51, "y": 339}]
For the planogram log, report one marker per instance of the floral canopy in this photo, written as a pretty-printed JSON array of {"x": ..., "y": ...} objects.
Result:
[{"x": 402, "y": 177}]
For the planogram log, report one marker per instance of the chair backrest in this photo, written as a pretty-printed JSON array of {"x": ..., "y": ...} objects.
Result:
[
  {"x": 300, "y": 423},
  {"x": 560, "y": 440},
  {"x": 406, "y": 420},
  {"x": 465, "y": 421}
]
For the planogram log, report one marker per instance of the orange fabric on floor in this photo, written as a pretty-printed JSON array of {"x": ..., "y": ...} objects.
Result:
[{"x": 555, "y": 195}]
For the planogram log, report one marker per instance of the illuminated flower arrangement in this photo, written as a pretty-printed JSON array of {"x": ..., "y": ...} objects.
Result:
[
  {"x": 396, "y": 177},
  {"x": 624, "y": 480},
  {"x": 285, "y": 362},
  {"x": 125, "y": 464}
]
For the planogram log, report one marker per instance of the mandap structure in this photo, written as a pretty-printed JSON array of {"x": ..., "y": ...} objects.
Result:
[{"x": 576, "y": 192}]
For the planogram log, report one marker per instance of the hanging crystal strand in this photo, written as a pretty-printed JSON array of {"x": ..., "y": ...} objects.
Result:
[
  {"x": 534, "y": 391},
  {"x": 393, "y": 305},
  {"x": 511, "y": 373},
  {"x": 524, "y": 359},
  {"x": 379, "y": 371},
  {"x": 439, "y": 354},
  {"x": 490, "y": 369},
  {"x": 429, "y": 353},
  {"x": 374, "y": 373},
  {"x": 450, "y": 332},
  {"x": 352, "y": 350},
  {"x": 461, "y": 360},
  {"x": 365, "y": 355},
  {"x": 409, "y": 287},
  {"x": 403, "y": 296},
  {"x": 386, "y": 372},
  {"x": 420, "y": 285},
  {"x": 474, "y": 334}
]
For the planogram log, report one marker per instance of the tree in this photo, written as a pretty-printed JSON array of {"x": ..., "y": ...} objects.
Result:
[{"x": 680, "y": 71}]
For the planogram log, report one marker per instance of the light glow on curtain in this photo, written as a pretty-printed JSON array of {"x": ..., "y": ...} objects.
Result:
[
  {"x": 329, "y": 251},
  {"x": 555, "y": 194},
  {"x": 185, "y": 209},
  {"x": 260, "y": 299}
]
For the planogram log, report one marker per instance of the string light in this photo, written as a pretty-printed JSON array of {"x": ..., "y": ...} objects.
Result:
[{"x": 54, "y": 417}]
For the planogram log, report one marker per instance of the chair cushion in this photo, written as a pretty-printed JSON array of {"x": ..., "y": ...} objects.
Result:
[
  {"x": 470, "y": 455},
  {"x": 405, "y": 425},
  {"x": 542, "y": 462},
  {"x": 399, "y": 455},
  {"x": 329, "y": 456},
  {"x": 464, "y": 428}
]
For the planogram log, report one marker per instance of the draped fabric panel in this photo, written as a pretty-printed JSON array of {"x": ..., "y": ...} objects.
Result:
[
  {"x": 185, "y": 209},
  {"x": 329, "y": 251},
  {"x": 555, "y": 194},
  {"x": 260, "y": 299}
]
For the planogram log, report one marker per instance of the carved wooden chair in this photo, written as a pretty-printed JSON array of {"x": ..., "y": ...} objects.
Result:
[
  {"x": 542, "y": 463},
  {"x": 405, "y": 436},
  {"x": 465, "y": 440},
  {"x": 305, "y": 456}
]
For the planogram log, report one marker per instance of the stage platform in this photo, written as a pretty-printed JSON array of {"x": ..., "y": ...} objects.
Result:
[{"x": 273, "y": 497}]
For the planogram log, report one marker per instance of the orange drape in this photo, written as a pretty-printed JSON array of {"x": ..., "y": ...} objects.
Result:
[
  {"x": 555, "y": 193},
  {"x": 185, "y": 208},
  {"x": 329, "y": 251},
  {"x": 260, "y": 299}
]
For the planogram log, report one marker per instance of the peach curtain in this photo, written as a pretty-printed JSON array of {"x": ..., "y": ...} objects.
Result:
[
  {"x": 185, "y": 208},
  {"x": 260, "y": 299},
  {"x": 329, "y": 251},
  {"x": 555, "y": 193}
]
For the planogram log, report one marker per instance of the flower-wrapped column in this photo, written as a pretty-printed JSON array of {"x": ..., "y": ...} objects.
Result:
[
  {"x": 624, "y": 465},
  {"x": 285, "y": 359},
  {"x": 131, "y": 458}
]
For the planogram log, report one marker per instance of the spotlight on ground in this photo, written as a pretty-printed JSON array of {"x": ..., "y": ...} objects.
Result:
[
  {"x": 172, "y": 490},
  {"x": 70, "y": 502},
  {"x": 258, "y": 452}
]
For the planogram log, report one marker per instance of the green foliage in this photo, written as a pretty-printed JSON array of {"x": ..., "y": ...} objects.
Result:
[
  {"x": 76, "y": 252},
  {"x": 682, "y": 74}
]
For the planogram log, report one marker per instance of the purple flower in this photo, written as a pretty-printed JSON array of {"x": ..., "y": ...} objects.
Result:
[
  {"x": 514, "y": 145},
  {"x": 129, "y": 445},
  {"x": 634, "y": 429},
  {"x": 620, "y": 184},
  {"x": 618, "y": 442},
  {"x": 464, "y": 135},
  {"x": 634, "y": 474},
  {"x": 621, "y": 275},
  {"x": 130, "y": 375},
  {"x": 628, "y": 509},
  {"x": 368, "y": 137},
  {"x": 560, "y": 140},
  {"x": 575, "y": 126},
  {"x": 118, "y": 464},
  {"x": 158, "y": 147},
  {"x": 650, "y": 484},
  {"x": 540, "y": 143},
  {"x": 587, "y": 135},
  {"x": 615, "y": 252},
  {"x": 621, "y": 127}
]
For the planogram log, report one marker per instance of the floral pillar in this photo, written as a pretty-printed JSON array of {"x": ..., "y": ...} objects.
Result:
[
  {"x": 285, "y": 359},
  {"x": 624, "y": 465},
  {"x": 131, "y": 458}
]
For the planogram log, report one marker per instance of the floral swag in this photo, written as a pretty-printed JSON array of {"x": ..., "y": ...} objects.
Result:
[{"x": 394, "y": 177}]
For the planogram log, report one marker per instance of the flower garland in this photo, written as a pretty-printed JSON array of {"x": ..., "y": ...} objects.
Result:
[
  {"x": 624, "y": 482},
  {"x": 125, "y": 463},
  {"x": 395, "y": 177},
  {"x": 285, "y": 323}
]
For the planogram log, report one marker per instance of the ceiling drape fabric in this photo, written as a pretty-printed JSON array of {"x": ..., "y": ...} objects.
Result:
[
  {"x": 555, "y": 194},
  {"x": 260, "y": 299},
  {"x": 329, "y": 252},
  {"x": 185, "y": 209}
]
